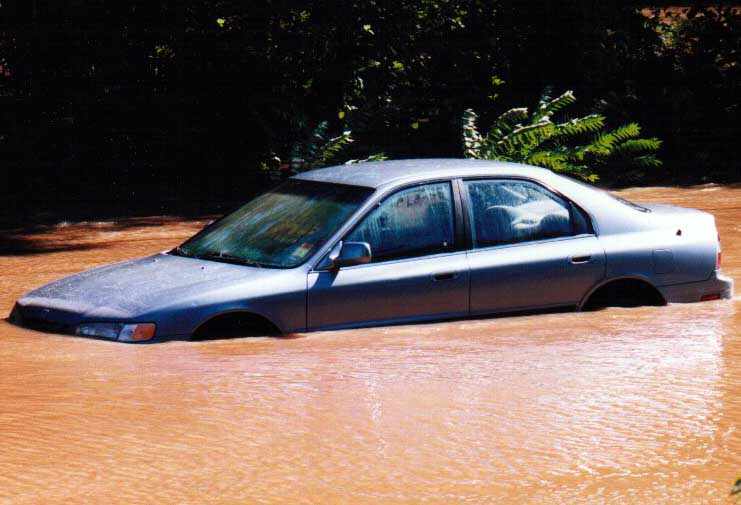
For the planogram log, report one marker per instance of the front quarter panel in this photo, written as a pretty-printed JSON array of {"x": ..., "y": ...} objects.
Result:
[{"x": 279, "y": 296}]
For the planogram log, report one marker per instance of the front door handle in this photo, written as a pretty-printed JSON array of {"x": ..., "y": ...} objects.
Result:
[
  {"x": 581, "y": 259},
  {"x": 445, "y": 276}
]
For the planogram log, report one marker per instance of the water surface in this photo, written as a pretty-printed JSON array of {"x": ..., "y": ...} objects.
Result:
[{"x": 616, "y": 406}]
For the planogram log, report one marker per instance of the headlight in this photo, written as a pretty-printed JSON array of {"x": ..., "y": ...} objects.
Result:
[
  {"x": 101, "y": 330},
  {"x": 136, "y": 332},
  {"x": 117, "y": 331}
]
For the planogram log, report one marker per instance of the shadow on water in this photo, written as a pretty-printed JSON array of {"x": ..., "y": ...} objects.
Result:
[
  {"x": 79, "y": 236},
  {"x": 18, "y": 245}
]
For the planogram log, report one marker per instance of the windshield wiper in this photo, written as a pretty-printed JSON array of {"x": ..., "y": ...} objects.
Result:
[
  {"x": 229, "y": 258},
  {"x": 179, "y": 251}
]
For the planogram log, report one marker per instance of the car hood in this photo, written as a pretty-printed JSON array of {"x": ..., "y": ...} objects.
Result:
[{"x": 129, "y": 289}]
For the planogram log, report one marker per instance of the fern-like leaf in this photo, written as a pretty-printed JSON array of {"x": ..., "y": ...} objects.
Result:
[
  {"x": 507, "y": 122},
  {"x": 580, "y": 126},
  {"x": 647, "y": 161},
  {"x": 372, "y": 157},
  {"x": 329, "y": 150},
  {"x": 628, "y": 131},
  {"x": 635, "y": 147},
  {"x": 549, "y": 108},
  {"x": 548, "y": 159},
  {"x": 577, "y": 146},
  {"x": 315, "y": 142},
  {"x": 472, "y": 140},
  {"x": 530, "y": 135}
]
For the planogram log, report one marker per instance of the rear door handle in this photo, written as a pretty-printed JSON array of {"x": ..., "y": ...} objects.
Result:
[
  {"x": 445, "y": 276},
  {"x": 581, "y": 259}
]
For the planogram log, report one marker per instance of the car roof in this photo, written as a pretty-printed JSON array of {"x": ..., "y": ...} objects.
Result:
[{"x": 381, "y": 173}]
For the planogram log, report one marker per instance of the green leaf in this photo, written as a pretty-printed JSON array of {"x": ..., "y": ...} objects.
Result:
[
  {"x": 372, "y": 157},
  {"x": 529, "y": 136},
  {"x": 496, "y": 81},
  {"x": 628, "y": 131},
  {"x": 547, "y": 159},
  {"x": 510, "y": 117},
  {"x": 579, "y": 126},
  {"x": 578, "y": 146},
  {"x": 331, "y": 148},
  {"x": 635, "y": 147},
  {"x": 471, "y": 137},
  {"x": 547, "y": 107},
  {"x": 648, "y": 161}
]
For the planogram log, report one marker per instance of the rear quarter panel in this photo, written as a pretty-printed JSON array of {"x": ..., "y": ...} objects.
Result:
[
  {"x": 647, "y": 245},
  {"x": 660, "y": 256}
]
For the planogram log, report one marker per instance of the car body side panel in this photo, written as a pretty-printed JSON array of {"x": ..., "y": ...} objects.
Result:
[
  {"x": 657, "y": 256},
  {"x": 390, "y": 291},
  {"x": 280, "y": 298},
  {"x": 534, "y": 275},
  {"x": 176, "y": 293},
  {"x": 676, "y": 246}
]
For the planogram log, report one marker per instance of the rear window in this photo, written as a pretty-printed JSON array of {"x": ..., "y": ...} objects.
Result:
[{"x": 622, "y": 200}]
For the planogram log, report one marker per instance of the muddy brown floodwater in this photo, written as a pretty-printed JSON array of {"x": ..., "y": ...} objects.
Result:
[{"x": 616, "y": 406}]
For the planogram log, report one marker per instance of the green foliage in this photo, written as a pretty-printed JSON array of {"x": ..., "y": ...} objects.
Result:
[
  {"x": 372, "y": 157},
  {"x": 580, "y": 146},
  {"x": 153, "y": 88},
  {"x": 472, "y": 140},
  {"x": 315, "y": 151},
  {"x": 330, "y": 149}
]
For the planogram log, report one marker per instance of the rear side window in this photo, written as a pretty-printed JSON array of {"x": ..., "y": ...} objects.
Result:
[
  {"x": 412, "y": 222},
  {"x": 513, "y": 211},
  {"x": 580, "y": 220}
]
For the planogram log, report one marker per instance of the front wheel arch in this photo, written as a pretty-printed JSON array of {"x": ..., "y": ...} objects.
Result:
[{"x": 234, "y": 323}]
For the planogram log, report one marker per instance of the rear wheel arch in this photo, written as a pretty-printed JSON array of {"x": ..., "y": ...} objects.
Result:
[
  {"x": 235, "y": 323},
  {"x": 629, "y": 291}
]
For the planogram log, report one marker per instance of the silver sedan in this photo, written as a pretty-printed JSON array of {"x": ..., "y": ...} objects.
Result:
[{"x": 395, "y": 242}]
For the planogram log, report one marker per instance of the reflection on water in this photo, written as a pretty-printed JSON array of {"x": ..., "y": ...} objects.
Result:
[{"x": 621, "y": 405}]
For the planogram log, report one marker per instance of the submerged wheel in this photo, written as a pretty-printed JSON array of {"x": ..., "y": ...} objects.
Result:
[
  {"x": 235, "y": 324},
  {"x": 624, "y": 293}
]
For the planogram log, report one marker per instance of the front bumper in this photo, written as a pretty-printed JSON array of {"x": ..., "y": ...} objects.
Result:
[
  {"x": 717, "y": 284},
  {"x": 53, "y": 320},
  {"x": 44, "y": 319}
]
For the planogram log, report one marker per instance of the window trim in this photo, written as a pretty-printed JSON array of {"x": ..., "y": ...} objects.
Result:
[{"x": 466, "y": 199}]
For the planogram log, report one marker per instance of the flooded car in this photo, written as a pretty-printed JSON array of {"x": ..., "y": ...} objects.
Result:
[{"x": 395, "y": 242}]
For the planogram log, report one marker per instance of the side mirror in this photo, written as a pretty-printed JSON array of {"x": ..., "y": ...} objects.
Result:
[{"x": 350, "y": 253}]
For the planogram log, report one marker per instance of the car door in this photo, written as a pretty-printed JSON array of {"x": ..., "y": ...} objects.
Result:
[
  {"x": 531, "y": 248},
  {"x": 418, "y": 268}
]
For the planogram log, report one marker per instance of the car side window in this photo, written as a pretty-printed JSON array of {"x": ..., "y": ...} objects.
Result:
[
  {"x": 415, "y": 221},
  {"x": 581, "y": 222},
  {"x": 513, "y": 211}
]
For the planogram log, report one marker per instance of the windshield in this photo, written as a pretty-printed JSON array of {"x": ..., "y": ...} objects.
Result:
[{"x": 279, "y": 229}]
